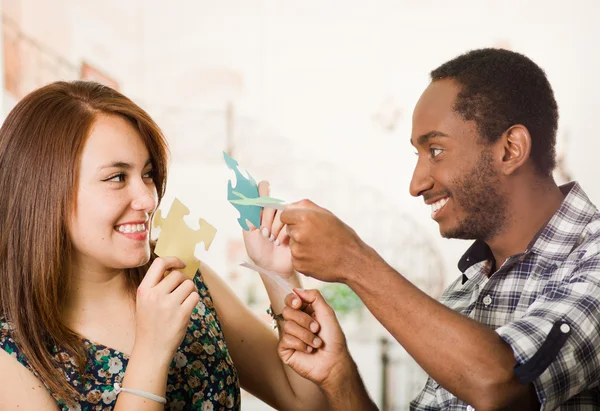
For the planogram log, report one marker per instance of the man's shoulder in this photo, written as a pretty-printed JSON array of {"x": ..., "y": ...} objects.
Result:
[{"x": 588, "y": 244}]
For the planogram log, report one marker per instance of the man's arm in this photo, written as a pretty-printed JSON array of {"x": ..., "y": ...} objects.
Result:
[
  {"x": 346, "y": 391},
  {"x": 465, "y": 357}
]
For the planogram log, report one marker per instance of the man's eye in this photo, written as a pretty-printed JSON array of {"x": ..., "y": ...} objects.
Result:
[
  {"x": 435, "y": 152},
  {"x": 119, "y": 178}
]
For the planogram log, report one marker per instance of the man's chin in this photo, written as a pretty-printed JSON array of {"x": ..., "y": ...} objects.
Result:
[{"x": 456, "y": 233}]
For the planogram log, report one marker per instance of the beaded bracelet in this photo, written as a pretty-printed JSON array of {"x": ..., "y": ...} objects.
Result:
[{"x": 274, "y": 316}]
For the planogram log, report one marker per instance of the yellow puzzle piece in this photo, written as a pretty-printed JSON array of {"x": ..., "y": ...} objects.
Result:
[{"x": 178, "y": 239}]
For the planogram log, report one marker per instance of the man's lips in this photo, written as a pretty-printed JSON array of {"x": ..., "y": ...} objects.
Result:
[{"x": 438, "y": 206}]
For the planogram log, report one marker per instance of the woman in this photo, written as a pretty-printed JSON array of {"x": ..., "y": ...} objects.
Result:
[{"x": 84, "y": 308}]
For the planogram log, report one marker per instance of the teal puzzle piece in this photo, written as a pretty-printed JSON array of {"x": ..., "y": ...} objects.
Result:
[{"x": 248, "y": 188}]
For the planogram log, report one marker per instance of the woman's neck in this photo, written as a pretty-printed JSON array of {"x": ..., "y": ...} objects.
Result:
[{"x": 93, "y": 289}]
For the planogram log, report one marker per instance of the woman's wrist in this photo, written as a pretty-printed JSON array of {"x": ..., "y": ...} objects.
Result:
[
  {"x": 277, "y": 293},
  {"x": 157, "y": 358},
  {"x": 146, "y": 372}
]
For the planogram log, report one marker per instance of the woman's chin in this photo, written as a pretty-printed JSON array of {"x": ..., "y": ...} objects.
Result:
[{"x": 134, "y": 261}]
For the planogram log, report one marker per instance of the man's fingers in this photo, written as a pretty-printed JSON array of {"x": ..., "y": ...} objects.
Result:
[
  {"x": 290, "y": 342},
  {"x": 157, "y": 269},
  {"x": 315, "y": 299},
  {"x": 302, "y": 204},
  {"x": 303, "y": 319},
  {"x": 292, "y": 300},
  {"x": 301, "y": 333},
  {"x": 291, "y": 216}
]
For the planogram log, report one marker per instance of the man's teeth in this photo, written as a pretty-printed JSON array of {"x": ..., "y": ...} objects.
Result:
[
  {"x": 438, "y": 204},
  {"x": 131, "y": 228}
]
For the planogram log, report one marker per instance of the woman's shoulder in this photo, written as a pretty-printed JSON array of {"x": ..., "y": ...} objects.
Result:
[
  {"x": 19, "y": 387},
  {"x": 8, "y": 345}
]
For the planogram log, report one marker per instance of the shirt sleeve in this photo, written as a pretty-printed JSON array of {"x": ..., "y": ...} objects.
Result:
[{"x": 557, "y": 342}]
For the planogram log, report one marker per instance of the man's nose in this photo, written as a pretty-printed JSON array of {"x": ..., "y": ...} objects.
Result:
[{"x": 421, "y": 180}]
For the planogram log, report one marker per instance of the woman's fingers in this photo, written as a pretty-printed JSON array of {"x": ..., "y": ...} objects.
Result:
[
  {"x": 190, "y": 302},
  {"x": 268, "y": 214},
  {"x": 276, "y": 226},
  {"x": 171, "y": 282},
  {"x": 157, "y": 269},
  {"x": 283, "y": 237},
  {"x": 182, "y": 292}
]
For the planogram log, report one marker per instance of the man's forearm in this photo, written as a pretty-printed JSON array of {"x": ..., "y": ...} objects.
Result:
[
  {"x": 465, "y": 357},
  {"x": 347, "y": 392}
]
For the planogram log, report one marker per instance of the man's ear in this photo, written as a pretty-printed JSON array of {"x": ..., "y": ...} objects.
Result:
[{"x": 516, "y": 145}]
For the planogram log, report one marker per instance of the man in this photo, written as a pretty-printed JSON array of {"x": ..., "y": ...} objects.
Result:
[{"x": 520, "y": 329}]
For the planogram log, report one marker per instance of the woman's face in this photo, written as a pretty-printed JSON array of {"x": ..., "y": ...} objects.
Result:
[{"x": 116, "y": 197}]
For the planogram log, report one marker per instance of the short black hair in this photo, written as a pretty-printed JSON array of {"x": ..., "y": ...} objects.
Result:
[{"x": 501, "y": 88}]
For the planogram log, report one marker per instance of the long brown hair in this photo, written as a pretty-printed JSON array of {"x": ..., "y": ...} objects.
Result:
[{"x": 41, "y": 142}]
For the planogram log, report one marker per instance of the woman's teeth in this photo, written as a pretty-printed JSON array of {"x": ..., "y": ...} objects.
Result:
[{"x": 131, "y": 228}]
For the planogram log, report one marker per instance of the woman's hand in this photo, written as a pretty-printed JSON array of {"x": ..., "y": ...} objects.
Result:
[
  {"x": 268, "y": 246},
  {"x": 322, "y": 361},
  {"x": 164, "y": 305}
]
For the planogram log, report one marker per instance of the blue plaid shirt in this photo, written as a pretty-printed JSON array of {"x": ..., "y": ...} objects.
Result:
[{"x": 545, "y": 303}]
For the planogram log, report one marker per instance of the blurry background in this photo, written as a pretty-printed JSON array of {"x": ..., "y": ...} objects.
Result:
[{"x": 315, "y": 96}]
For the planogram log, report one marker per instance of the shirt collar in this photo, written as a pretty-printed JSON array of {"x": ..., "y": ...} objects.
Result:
[{"x": 556, "y": 239}]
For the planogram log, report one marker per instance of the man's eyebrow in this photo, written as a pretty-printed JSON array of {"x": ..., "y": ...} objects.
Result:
[
  {"x": 122, "y": 165},
  {"x": 424, "y": 138}
]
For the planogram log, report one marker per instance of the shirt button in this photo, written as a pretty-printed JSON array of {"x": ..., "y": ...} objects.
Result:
[
  {"x": 565, "y": 328},
  {"x": 469, "y": 408},
  {"x": 487, "y": 300}
]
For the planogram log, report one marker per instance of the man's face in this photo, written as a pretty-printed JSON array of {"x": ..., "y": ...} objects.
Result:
[{"x": 456, "y": 173}]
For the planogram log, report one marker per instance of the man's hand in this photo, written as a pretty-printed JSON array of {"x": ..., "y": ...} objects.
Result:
[
  {"x": 322, "y": 360},
  {"x": 330, "y": 366},
  {"x": 322, "y": 245}
]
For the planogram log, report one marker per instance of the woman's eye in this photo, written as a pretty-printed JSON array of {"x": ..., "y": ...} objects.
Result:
[
  {"x": 435, "y": 152},
  {"x": 149, "y": 174},
  {"x": 119, "y": 178}
]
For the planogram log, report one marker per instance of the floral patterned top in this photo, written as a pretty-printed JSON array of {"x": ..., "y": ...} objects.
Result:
[{"x": 201, "y": 377}]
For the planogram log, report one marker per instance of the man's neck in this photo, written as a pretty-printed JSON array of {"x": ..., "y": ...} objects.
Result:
[{"x": 530, "y": 210}]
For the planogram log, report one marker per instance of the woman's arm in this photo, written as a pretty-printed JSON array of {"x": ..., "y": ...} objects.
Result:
[
  {"x": 20, "y": 389},
  {"x": 163, "y": 308},
  {"x": 253, "y": 348}
]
